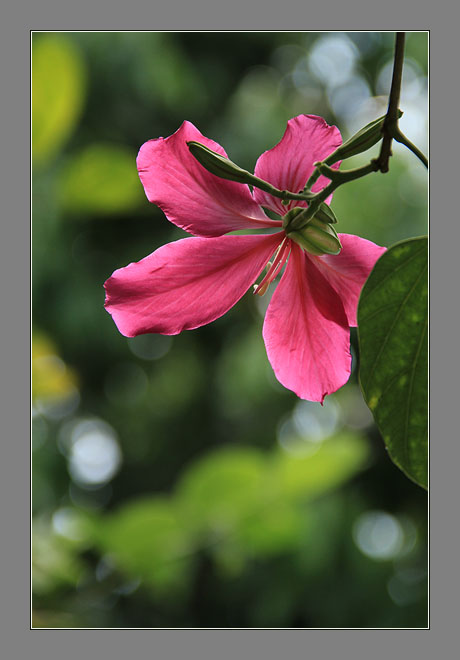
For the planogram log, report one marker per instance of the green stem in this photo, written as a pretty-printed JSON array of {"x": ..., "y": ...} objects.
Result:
[
  {"x": 285, "y": 195},
  {"x": 337, "y": 179},
  {"x": 342, "y": 176},
  {"x": 400, "y": 137},
  {"x": 313, "y": 179}
]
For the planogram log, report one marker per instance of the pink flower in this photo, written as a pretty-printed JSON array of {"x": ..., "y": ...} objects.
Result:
[{"x": 193, "y": 281}]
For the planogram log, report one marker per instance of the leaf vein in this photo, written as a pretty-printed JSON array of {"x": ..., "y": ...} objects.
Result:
[
  {"x": 392, "y": 272},
  {"x": 411, "y": 384},
  {"x": 388, "y": 334}
]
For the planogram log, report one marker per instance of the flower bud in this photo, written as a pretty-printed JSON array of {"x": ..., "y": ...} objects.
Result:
[
  {"x": 226, "y": 169},
  {"x": 361, "y": 141},
  {"x": 317, "y": 238},
  {"x": 219, "y": 165}
]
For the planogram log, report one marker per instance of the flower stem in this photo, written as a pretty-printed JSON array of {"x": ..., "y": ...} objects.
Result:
[{"x": 285, "y": 195}]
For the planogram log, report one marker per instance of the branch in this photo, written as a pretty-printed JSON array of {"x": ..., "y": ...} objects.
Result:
[{"x": 391, "y": 120}]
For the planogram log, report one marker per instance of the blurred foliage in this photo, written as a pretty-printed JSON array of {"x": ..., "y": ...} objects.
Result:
[
  {"x": 235, "y": 502},
  {"x": 51, "y": 378},
  {"x": 58, "y": 94},
  {"x": 55, "y": 565},
  {"x": 175, "y": 482},
  {"x": 100, "y": 179}
]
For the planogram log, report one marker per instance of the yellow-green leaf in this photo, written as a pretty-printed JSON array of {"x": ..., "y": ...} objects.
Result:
[
  {"x": 101, "y": 179},
  {"x": 58, "y": 93}
]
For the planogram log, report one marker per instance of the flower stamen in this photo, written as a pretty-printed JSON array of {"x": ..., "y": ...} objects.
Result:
[{"x": 274, "y": 267}]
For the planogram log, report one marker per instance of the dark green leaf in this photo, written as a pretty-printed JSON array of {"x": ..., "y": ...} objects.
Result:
[{"x": 392, "y": 321}]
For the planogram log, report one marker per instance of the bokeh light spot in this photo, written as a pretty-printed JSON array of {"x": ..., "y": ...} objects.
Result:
[
  {"x": 150, "y": 347},
  {"x": 315, "y": 421},
  {"x": 332, "y": 59},
  {"x": 94, "y": 455},
  {"x": 378, "y": 535},
  {"x": 406, "y": 585},
  {"x": 66, "y": 523},
  {"x": 348, "y": 99}
]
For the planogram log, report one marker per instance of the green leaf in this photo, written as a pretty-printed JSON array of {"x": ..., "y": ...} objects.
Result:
[
  {"x": 146, "y": 539},
  {"x": 223, "y": 488},
  {"x": 325, "y": 466},
  {"x": 392, "y": 322},
  {"x": 102, "y": 180},
  {"x": 58, "y": 92},
  {"x": 54, "y": 562}
]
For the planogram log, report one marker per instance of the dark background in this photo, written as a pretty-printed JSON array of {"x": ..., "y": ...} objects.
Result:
[{"x": 175, "y": 482}]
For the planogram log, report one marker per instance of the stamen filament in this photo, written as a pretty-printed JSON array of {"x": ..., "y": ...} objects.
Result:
[{"x": 275, "y": 266}]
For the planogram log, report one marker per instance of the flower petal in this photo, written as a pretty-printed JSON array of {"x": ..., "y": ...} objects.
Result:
[
  {"x": 187, "y": 283},
  {"x": 289, "y": 164},
  {"x": 191, "y": 197},
  {"x": 306, "y": 331},
  {"x": 348, "y": 270}
]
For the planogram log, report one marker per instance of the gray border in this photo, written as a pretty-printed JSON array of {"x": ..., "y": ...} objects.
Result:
[{"x": 17, "y": 640}]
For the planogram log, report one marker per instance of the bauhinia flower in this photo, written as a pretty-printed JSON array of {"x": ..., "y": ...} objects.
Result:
[{"x": 194, "y": 281}]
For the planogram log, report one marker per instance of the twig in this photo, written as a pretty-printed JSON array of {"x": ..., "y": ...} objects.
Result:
[{"x": 400, "y": 137}]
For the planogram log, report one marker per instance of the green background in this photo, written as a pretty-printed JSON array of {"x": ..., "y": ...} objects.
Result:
[{"x": 175, "y": 483}]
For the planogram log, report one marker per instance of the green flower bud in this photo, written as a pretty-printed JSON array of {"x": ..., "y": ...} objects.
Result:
[
  {"x": 227, "y": 169},
  {"x": 219, "y": 165},
  {"x": 317, "y": 238},
  {"x": 361, "y": 141}
]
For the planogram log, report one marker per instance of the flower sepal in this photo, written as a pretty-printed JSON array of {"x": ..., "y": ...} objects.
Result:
[
  {"x": 325, "y": 214},
  {"x": 298, "y": 218},
  {"x": 317, "y": 238}
]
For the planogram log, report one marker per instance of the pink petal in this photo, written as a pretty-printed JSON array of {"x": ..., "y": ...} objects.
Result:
[
  {"x": 288, "y": 166},
  {"x": 348, "y": 270},
  {"x": 191, "y": 197},
  {"x": 186, "y": 284},
  {"x": 306, "y": 331}
]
